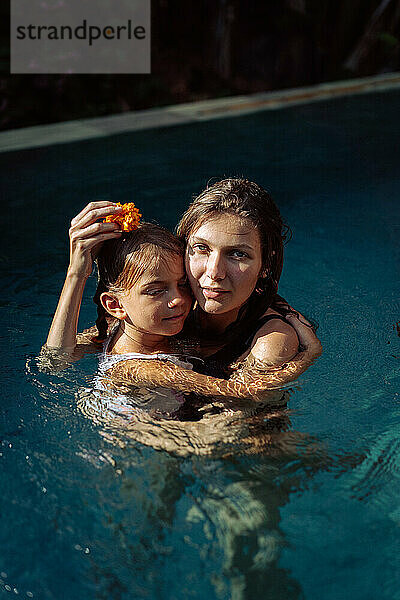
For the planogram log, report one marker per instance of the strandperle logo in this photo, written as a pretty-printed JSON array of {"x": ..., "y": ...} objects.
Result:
[
  {"x": 91, "y": 33},
  {"x": 80, "y": 36}
]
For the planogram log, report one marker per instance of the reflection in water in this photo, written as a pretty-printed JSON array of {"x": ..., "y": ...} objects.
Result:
[
  {"x": 239, "y": 516},
  {"x": 207, "y": 522},
  {"x": 232, "y": 516},
  {"x": 201, "y": 518}
]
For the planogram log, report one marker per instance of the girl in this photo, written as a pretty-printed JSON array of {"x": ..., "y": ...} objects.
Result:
[
  {"x": 142, "y": 286},
  {"x": 142, "y": 294}
]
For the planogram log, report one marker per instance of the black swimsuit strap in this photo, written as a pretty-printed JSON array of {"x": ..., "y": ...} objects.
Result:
[
  {"x": 230, "y": 353},
  {"x": 267, "y": 318}
]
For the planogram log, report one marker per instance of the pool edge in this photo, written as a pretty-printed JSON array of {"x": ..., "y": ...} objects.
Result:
[{"x": 192, "y": 112}]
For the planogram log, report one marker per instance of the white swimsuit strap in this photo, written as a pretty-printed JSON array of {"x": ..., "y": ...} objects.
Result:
[
  {"x": 111, "y": 359},
  {"x": 107, "y": 360}
]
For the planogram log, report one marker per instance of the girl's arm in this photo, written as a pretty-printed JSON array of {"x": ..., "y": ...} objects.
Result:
[
  {"x": 86, "y": 237},
  {"x": 252, "y": 380}
]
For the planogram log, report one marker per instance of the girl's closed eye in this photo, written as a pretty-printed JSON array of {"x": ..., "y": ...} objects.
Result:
[{"x": 154, "y": 291}]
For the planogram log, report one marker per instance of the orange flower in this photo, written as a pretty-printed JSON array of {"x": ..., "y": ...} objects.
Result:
[{"x": 129, "y": 219}]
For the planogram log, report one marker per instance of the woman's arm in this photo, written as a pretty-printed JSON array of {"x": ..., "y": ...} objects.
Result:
[
  {"x": 86, "y": 237},
  {"x": 253, "y": 380}
]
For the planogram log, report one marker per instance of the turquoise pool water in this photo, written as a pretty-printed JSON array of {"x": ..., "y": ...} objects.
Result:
[{"x": 88, "y": 515}]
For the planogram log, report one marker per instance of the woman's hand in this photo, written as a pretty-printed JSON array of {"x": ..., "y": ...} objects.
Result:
[{"x": 87, "y": 235}]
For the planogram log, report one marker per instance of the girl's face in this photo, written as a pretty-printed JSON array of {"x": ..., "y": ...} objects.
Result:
[
  {"x": 223, "y": 262},
  {"x": 160, "y": 300}
]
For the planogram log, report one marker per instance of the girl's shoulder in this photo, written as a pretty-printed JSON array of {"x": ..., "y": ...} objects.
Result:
[
  {"x": 275, "y": 342},
  {"x": 87, "y": 342}
]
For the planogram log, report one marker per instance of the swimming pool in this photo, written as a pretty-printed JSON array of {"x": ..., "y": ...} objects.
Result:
[{"x": 86, "y": 515}]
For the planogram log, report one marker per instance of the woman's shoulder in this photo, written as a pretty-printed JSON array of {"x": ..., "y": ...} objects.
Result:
[{"x": 275, "y": 342}]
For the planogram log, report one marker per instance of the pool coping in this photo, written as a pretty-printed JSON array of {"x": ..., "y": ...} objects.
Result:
[{"x": 191, "y": 112}]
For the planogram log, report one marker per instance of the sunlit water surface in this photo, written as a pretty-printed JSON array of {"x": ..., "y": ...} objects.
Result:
[{"x": 219, "y": 508}]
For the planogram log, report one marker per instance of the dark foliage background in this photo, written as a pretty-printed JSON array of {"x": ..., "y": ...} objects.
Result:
[{"x": 213, "y": 48}]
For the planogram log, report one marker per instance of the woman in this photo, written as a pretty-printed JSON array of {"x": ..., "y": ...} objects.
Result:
[{"x": 234, "y": 236}]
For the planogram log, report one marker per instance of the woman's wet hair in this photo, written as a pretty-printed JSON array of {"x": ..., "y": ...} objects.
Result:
[
  {"x": 121, "y": 262},
  {"x": 248, "y": 200}
]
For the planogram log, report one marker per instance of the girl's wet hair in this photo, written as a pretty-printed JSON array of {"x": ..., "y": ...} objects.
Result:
[
  {"x": 121, "y": 262},
  {"x": 247, "y": 200}
]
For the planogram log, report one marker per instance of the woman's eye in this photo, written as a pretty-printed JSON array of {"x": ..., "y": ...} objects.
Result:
[
  {"x": 239, "y": 254},
  {"x": 153, "y": 292}
]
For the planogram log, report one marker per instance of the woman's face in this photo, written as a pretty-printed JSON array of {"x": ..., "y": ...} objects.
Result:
[{"x": 223, "y": 263}]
